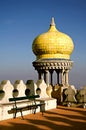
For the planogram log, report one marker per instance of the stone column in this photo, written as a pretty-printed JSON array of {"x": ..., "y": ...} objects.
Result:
[
  {"x": 40, "y": 75},
  {"x": 51, "y": 77},
  {"x": 66, "y": 78},
  {"x": 62, "y": 77},
  {"x": 57, "y": 76},
  {"x": 46, "y": 77}
]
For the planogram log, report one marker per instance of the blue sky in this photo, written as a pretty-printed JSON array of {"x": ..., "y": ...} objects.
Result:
[{"x": 22, "y": 20}]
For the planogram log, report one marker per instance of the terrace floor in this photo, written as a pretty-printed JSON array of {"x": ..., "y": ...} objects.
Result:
[{"x": 61, "y": 118}]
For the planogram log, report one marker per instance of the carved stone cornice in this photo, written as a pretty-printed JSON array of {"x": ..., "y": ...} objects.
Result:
[{"x": 52, "y": 64}]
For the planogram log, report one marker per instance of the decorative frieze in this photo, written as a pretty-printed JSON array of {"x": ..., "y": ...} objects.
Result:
[{"x": 52, "y": 64}]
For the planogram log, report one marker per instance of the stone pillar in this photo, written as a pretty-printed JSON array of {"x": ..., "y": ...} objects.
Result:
[
  {"x": 57, "y": 76},
  {"x": 46, "y": 77},
  {"x": 66, "y": 78},
  {"x": 51, "y": 77},
  {"x": 40, "y": 75},
  {"x": 62, "y": 77}
]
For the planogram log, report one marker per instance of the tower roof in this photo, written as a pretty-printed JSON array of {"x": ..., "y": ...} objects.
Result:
[{"x": 52, "y": 44}]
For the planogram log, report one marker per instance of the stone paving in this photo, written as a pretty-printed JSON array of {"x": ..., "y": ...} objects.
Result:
[{"x": 61, "y": 118}]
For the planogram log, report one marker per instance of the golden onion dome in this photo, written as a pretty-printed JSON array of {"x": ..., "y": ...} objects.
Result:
[{"x": 52, "y": 44}]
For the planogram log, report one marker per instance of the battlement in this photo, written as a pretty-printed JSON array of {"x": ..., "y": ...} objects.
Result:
[{"x": 20, "y": 89}]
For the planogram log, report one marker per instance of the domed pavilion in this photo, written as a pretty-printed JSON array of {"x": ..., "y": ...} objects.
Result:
[{"x": 53, "y": 50}]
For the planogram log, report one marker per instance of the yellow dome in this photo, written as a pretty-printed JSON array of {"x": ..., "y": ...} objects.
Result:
[{"x": 53, "y": 44}]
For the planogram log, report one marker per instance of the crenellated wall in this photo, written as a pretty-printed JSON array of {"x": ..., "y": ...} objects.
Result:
[
  {"x": 66, "y": 95},
  {"x": 69, "y": 96},
  {"x": 19, "y": 89},
  {"x": 6, "y": 91}
]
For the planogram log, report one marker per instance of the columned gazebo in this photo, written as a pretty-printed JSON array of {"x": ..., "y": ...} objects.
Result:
[
  {"x": 45, "y": 69},
  {"x": 53, "y": 50}
]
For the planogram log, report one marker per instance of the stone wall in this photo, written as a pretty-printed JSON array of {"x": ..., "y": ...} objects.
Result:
[
  {"x": 65, "y": 95},
  {"x": 19, "y": 89},
  {"x": 75, "y": 97},
  {"x": 69, "y": 95}
]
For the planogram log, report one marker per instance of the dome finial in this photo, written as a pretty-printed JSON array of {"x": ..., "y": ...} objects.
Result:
[{"x": 52, "y": 22}]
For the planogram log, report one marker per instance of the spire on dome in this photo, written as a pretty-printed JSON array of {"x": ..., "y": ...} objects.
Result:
[{"x": 52, "y": 22}]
